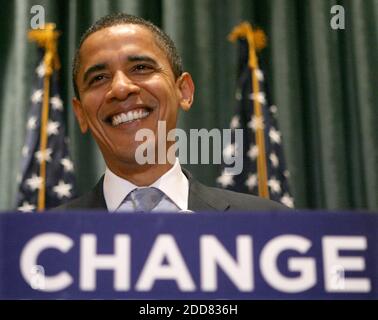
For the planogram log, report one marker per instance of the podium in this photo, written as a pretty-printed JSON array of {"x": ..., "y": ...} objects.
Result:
[{"x": 207, "y": 255}]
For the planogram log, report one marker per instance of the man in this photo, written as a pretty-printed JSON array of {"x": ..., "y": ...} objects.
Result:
[{"x": 128, "y": 76}]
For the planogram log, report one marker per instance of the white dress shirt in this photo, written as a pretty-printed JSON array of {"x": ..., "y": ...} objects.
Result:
[{"x": 174, "y": 184}]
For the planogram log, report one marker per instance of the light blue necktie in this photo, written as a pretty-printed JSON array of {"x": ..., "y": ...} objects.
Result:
[{"x": 145, "y": 199}]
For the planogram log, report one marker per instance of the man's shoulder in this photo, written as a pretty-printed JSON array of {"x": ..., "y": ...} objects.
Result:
[
  {"x": 82, "y": 202},
  {"x": 239, "y": 201}
]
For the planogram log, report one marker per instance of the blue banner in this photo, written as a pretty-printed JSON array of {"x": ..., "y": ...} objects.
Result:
[{"x": 260, "y": 255}]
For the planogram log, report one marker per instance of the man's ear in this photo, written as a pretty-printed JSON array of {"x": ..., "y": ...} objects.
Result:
[
  {"x": 80, "y": 115},
  {"x": 185, "y": 86}
]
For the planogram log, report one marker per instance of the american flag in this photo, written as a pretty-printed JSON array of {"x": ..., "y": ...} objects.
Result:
[
  {"x": 60, "y": 180},
  {"x": 246, "y": 119}
]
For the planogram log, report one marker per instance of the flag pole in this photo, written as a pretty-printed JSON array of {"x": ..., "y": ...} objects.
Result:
[
  {"x": 256, "y": 41},
  {"x": 47, "y": 39}
]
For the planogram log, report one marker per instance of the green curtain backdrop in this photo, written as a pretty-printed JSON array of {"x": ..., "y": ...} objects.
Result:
[{"x": 323, "y": 81}]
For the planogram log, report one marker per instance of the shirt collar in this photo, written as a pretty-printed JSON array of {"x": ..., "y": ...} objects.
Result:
[{"x": 173, "y": 183}]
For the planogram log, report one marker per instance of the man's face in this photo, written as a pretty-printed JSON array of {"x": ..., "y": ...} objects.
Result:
[{"x": 126, "y": 83}]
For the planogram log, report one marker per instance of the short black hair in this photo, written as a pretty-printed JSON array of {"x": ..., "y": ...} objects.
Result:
[{"x": 162, "y": 39}]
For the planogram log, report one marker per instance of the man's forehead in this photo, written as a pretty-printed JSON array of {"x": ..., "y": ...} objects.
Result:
[
  {"x": 130, "y": 34},
  {"x": 122, "y": 31}
]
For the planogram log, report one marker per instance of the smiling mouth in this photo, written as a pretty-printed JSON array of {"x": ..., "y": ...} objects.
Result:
[{"x": 130, "y": 116}]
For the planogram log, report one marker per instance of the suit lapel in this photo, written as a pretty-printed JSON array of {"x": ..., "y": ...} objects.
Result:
[
  {"x": 201, "y": 197},
  {"x": 96, "y": 198}
]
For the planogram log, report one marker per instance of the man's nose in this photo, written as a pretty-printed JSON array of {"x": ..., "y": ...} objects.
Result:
[{"x": 122, "y": 87}]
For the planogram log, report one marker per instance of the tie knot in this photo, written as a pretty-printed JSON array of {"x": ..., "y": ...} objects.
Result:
[{"x": 146, "y": 199}]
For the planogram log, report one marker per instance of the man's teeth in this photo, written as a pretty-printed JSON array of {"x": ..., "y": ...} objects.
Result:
[{"x": 129, "y": 116}]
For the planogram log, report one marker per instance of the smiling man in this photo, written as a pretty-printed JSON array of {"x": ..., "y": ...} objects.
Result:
[{"x": 128, "y": 76}]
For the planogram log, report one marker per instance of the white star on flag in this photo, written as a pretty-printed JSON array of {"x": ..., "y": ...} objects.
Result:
[
  {"x": 52, "y": 127},
  {"x": 226, "y": 179},
  {"x": 274, "y": 185},
  {"x": 274, "y": 159},
  {"x": 259, "y": 96},
  {"x": 287, "y": 201},
  {"x": 229, "y": 151},
  {"x": 256, "y": 123},
  {"x": 41, "y": 70},
  {"x": 37, "y": 96},
  {"x": 46, "y": 155},
  {"x": 273, "y": 109},
  {"x": 63, "y": 189},
  {"x": 34, "y": 182},
  {"x": 238, "y": 95},
  {"x": 56, "y": 103},
  {"x": 235, "y": 122},
  {"x": 275, "y": 136},
  {"x": 25, "y": 151},
  {"x": 67, "y": 164},
  {"x": 251, "y": 181},
  {"x": 32, "y": 123},
  {"x": 253, "y": 152},
  {"x": 26, "y": 207},
  {"x": 259, "y": 74}
]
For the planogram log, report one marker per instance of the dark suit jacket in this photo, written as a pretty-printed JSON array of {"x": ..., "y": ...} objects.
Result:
[{"x": 201, "y": 198}]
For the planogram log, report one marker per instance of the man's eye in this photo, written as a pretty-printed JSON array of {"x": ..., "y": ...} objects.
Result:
[
  {"x": 97, "y": 78},
  {"x": 142, "y": 68}
]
